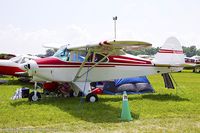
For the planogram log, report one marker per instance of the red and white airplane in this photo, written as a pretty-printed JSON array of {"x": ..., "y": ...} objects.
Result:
[
  {"x": 81, "y": 65},
  {"x": 13, "y": 65},
  {"x": 193, "y": 62}
]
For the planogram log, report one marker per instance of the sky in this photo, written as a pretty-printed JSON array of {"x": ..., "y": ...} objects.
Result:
[{"x": 26, "y": 25}]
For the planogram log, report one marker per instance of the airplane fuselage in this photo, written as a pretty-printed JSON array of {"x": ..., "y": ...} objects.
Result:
[{"x": 54, "y": 69}]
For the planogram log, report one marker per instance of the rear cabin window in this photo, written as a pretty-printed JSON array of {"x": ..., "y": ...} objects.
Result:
[
  {"x": 99, "y": 57},
  {"x": 77, "y": 56}
]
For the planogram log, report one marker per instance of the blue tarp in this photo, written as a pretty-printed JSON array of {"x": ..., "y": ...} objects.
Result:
[
  {"x": 142, "y": 79},
  {"x": 128, "y": 92},
  {"x": 136, "y": 85}
]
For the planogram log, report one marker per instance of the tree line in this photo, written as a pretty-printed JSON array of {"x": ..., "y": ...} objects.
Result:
[{"x": 189, "y": 51}]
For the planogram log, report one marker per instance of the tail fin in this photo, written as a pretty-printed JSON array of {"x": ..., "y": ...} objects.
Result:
[{"x": 171, "y": 53}]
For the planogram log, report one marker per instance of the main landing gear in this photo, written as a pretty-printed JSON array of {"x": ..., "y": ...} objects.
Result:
[
  {"x": 36, "y": 96},
  {"x": 91, "y": 97}
]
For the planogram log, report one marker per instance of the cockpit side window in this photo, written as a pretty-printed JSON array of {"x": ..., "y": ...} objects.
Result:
[
  {"x": 94, "y": 57},
  {"x": 16, "y": 59},
  {"x": 25, "y": 59}
]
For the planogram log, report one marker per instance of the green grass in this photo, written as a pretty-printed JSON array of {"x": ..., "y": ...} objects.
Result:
[{"x": 164, "y": 111}]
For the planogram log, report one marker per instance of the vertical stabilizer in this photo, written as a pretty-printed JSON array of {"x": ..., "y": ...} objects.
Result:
[{"x": 171, "y": 53}]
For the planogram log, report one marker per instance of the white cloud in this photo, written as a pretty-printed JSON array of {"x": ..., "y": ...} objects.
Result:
[
  {"x": 15, "y": 40},
  {"x": 18, "y": 41}
]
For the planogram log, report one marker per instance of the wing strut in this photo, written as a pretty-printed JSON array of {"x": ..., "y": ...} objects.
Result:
[
  {"x": 82, "y": 65},
  {"x": 79, "y": 76}
]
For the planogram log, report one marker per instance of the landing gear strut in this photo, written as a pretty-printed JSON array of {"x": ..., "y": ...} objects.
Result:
[{"x": 34, "y": 96}]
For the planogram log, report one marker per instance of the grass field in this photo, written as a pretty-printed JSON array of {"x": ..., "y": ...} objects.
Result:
[{"x": 164, "y": 111}]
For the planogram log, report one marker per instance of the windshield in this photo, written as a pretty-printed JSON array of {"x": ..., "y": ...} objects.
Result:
[
  {"x": 62, "y": 54},
  {"x": 16, "y": 59}
]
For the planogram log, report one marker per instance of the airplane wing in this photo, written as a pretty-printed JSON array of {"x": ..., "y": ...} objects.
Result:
[
  {"x": 54, "y": 46},
  {"x": 107, "y": 46}
]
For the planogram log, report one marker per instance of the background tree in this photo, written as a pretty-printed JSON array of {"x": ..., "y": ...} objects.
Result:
[
  {"x": 148, "y": 51},
  {"x": 198, "y": 52},
  {"x": 190, "y": 51}
]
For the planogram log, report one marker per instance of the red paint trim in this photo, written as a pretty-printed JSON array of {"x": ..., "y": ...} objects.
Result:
[
  {"x": 123, "y": 59},
  {"x": 77, "y": 66},
  {"x": 171, "y": 51},
  {"x": 112, "y": 59},
  {"x": 52, "y": 66},
  {"x": 53, "y": 60},
  {"x": 104, "y": 43},
  {"x": 10, "y": 70}
]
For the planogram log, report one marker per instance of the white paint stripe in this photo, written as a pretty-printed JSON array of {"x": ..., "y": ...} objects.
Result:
[{"x": 119, "y": 59}]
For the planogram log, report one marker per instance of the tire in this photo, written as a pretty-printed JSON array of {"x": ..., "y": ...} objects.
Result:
[
  {"x": 34, "y": 99},
  {"x": 91, "y": 98},
  {"x": 73, "y": 94}
]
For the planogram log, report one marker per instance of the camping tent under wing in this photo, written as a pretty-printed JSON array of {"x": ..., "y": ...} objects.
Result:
[
  {"x": 134, "y": 80},
  {"x": 136, "y": 85}
]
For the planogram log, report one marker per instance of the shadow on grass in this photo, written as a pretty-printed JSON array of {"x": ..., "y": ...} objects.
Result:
[
  {"x": 99, "y": 112},
  {"x": 118, "y": 99},
  {"x": 164, "y": 97},
  {"x": 17, "y": 82},
  {"x": 196, "y": 72}
]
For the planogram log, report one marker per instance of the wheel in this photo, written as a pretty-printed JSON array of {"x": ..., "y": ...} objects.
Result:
[
  {"x": 91, "y": 98},
  {"x": 74, "y": 94},
  {"x": 34, "y": 98}
]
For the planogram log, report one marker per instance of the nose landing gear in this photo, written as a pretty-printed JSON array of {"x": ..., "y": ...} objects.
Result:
[{"x": 34, "y": 96}]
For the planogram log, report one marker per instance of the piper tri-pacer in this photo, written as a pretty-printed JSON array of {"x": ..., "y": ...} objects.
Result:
[{"x": 81, "y": 65}]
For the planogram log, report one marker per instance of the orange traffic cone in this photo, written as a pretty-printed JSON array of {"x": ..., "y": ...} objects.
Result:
[{"x": 125, "y": 114}]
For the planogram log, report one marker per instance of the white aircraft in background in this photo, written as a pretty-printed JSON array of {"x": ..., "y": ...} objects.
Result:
[
  {"x": 193, "y": 62},
  {"x": 13, "y": 66},
  {"x": 81, "y": 65}
]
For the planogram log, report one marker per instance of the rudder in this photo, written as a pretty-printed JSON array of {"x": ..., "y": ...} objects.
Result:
[{"x": 171, "y": 53}]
